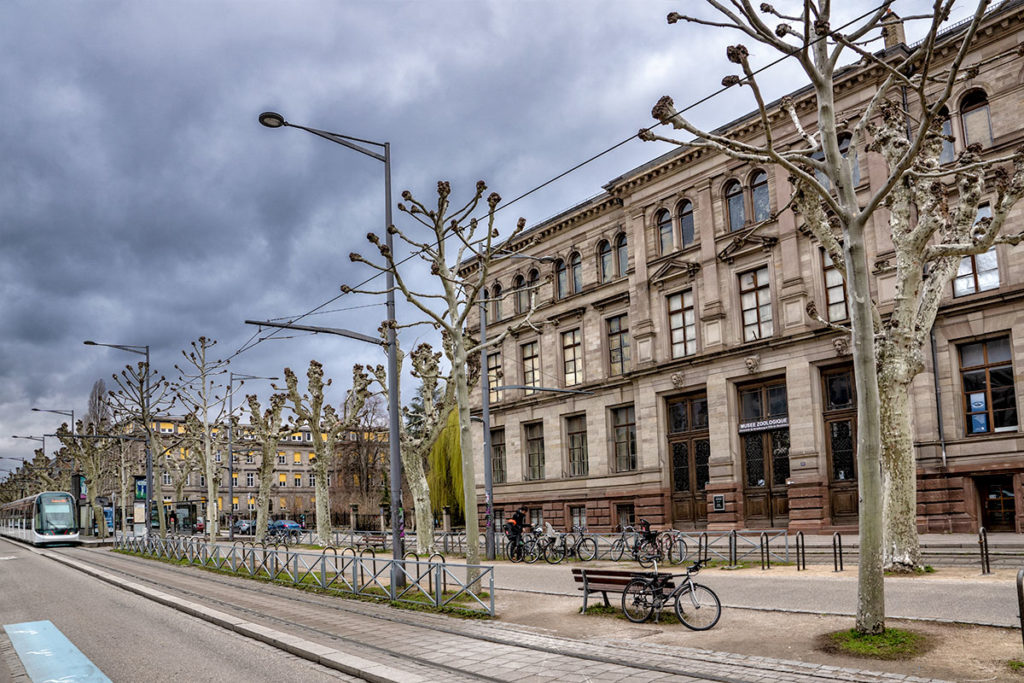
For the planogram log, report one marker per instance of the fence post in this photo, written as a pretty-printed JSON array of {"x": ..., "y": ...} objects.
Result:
[
  {"x": 766, "y": 553},
  {"x": 837, "y": 552},
  {"x": 732, "y": 549},
  {"x": 986, "y": 567},
  {"x": 801, "y": 552},
  {"x": 702, "y": 546},
  {"x": 354, "y": 521}
]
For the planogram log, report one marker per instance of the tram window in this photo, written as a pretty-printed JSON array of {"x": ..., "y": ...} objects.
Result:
[{"x": 55, "y": 513}]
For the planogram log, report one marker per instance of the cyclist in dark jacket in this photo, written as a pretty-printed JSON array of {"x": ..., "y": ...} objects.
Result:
[{"x": 516, "y": 524}]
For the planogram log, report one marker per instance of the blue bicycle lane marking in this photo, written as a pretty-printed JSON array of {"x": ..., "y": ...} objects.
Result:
[{"x": 49, "y": 657}]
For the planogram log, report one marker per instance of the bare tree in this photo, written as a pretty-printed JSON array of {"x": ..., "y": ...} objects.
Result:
[
  {"x": 325, "y": 426},
  {"x": 887, "y": 352},
  {"x": 449, "y": 308},
  {"x": 266, "y": 428}
]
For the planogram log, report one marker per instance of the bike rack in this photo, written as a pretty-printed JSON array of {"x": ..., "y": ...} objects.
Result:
[
  {"x": 837, "y": 552},
  {"x": 766, "y": 554},
  {"x": 986, "y": 567},
  {"x": 430, "y": 575},
  {"x": 801, "y": 552}
]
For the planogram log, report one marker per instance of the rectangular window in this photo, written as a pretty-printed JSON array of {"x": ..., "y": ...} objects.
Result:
[
  {"x": 578, "y": 515},
  {"x": 835, "y": 290},
  {"x": 986, "y": 370},
  {"x": 282, "y": 504},
  {"x": 282, "y": 479},
  {"x": 252, "y": 504},
  {"x": 250, "y": 479},
  {"x": 840, "y": 413},
  {"x": 248, "y": 459},
  {"x": 202, "y": 480},
  {"x": 756, "y": 302},
  {"x": 234, "y": 503},
  {"x": 216, "y": 456},
  {"x": 572, "y": 362},
  {"x": 280, "y": 458},
  {"x": 618, "y": 344},
  {"x": 977, "y": 272},
  {"x": 535, "y": 450},
  {"x": 167, "y": 478},
  {"x": 312, "y": 480},
  {"x": 297, "y": 480},
  {"x": 494, "y": 376},
  {"x": 536, "y": 518},
  {"x": 531, "y": 366},
  {"x": 298, "y": 458},
  {"x": 625, "y": 514},
  {"x": 624, "y": 427},
  {"x": 683, "y": 324},
  {"x": 576, "y": 433},
  {"x": 498, "y": 475}
]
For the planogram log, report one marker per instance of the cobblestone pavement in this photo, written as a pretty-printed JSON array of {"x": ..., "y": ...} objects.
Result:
[{"x": 381, "y": 643}]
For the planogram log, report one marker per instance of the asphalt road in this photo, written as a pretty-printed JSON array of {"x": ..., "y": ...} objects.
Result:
[
  {"x": 133, "y": 639},
  {"x": 988, "y": 601}
]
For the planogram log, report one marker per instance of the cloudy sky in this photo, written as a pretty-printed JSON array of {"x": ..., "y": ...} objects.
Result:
[{"x": 142, "y": 203}]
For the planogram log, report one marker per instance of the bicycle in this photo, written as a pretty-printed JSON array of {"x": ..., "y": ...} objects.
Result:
[
  {"x": 569, "y": 544},
  {"x": 624, "y": 543},
  {"x": 696, "y": 605},
  {"x": 646, "y": 550},
  {"x": 673, "y": 546}
]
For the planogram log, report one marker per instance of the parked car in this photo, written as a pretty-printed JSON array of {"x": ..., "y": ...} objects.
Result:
[
  {"x": 200, "y": 526},
  {"x": 285, "y": 528},
  {"x": 245, "y": 526}
]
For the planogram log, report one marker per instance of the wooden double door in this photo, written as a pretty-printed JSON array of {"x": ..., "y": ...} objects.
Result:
[{"x": 690, "y": 450}]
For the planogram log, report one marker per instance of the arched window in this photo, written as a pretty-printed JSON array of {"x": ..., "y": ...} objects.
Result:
[
  {"x": 561, "y": 279},
  {"x": 947, "y": 132},
  {"x": 496, "y": 302},
  {"x": 734, "y": 205},
  {"x": 522, "y": 297},
  {"x": 759, "y": 194},
  {"x": 576, "y": 273},
  {"x": 663, "y": 219},
  {"x": 974, "y": 113},
  {"x": 533, "y": 280},
  {"x": 604, "y": 261},
  {"x": 685, "y": 213},
  {"x": 622, "y": 254},
  {"x": 844, "y": 149}
]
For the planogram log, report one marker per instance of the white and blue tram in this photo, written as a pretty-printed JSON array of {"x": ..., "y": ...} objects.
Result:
[{"x": 43, "y": 519}]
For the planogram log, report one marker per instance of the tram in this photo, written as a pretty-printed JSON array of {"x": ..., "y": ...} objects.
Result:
[{"x": 43, "y": 519}]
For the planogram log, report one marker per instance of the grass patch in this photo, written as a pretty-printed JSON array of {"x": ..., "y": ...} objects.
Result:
[
  {"x": 668, "y": 615},
  {"x": 891, "y": 644},
  {"x": 1016, "y": 666}
]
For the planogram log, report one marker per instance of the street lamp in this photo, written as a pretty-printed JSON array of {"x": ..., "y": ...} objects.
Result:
[
  {"x": 40, "y": 439},
  {"x": 66, "y": 413},
  {"x": 274, "y": 120},
  {"x": 142, "y": 351},
  {"x": 232, "y": 376}
]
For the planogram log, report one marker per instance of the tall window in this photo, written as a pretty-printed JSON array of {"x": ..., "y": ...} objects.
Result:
[
  {"x": 624, "y": 428},
  {"x": 494, "y": 377},
  {"x": 977, "y": 124},
  {"x": 978, "y": 272},
  {"x": 947, "y": 153},
  {"x": 250, "y": 479},
  {"x": 685, "y": 212},
  {"x": 840, "y": 413},
  {"x": 486, "y": 312},
  {"x": 576, "y": 433},
  {"x": 535, "y": 450},
  {"x": 532, "y": 285},
  {"x": 572, "y": 362},
  {"x": 835, "y": 290},
  {"x": 498, "y": 475},
  {"x": 759, "y": 195},
  {"x": 682, "y": 323},
  {"x": 625, "y": 513},
  {"x": 691, "y": 448},
  {"x": 734, "y": 205},
  {"x": 578, "y": 515},
  {"x": 756, "y": 302},
  {"x": 576, "y": 273},
  {"x": 604, "y": 258},
  {"x": 297, "y": 480},
  {"x": 561, "y": 279},
  {"x": 496, "y": 302},
  {"x": 531, "y": 366},
  {"x": 522, "y": 296},
  {"x": 663, "y": 219},
  {"x": 986, "y": 370},
  {"x": 622, "y": 254},
  {"x": 311, "y": 481},
  {"x": 618, "y": 345}
]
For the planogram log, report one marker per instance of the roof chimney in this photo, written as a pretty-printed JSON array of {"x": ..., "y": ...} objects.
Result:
[{"x": 892, "y": 30}]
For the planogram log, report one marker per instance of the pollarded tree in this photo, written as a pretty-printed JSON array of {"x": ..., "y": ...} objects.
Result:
[
  {"x": 452, "y": 231},
  {"x": 886, "y": 351},
  {"x": 266, "y": 429},
  {"x": 325, "y": 426},
  {"x": 96, "y": 460}
]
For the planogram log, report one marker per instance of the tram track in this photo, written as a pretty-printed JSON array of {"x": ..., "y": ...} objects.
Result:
[{"x": 369, "y": 630}]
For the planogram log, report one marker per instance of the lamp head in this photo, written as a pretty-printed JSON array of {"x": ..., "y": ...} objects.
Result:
[
  {"x": 89, "y": 342},
  {"x": 271, "y": 119}
]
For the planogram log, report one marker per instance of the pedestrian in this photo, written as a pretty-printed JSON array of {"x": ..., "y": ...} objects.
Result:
[{"x": 174, "y": 522}]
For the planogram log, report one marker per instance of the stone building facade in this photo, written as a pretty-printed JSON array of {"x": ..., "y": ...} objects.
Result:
[{"x": 675, "y": 303}]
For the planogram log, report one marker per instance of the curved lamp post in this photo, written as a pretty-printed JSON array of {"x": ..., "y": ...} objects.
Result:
[{"x": 272, "y": 119}]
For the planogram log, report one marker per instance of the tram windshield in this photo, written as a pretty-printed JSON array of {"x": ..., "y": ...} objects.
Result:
[{"x": 56, "y": 514}]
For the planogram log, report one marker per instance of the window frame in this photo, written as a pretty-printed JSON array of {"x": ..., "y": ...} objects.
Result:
[
  {"x": 685, "y": 216},
  {"x": 759, "y": 185},
  {"x": 576, "y": 445},
  {"x": 533, "y": 438},
  {"x": 624, "y": 451},
  {"x": 531, "y": 374},
  {"x": 577, "y": 357},
  {"x": 665, "y": 230},
  {"x": 688, "y": 330},
  {"x": 621, "y": 254},
  {"x": 757, "y": 289},
  {"x": 617, "y": 336},
  {"x": 605, "y": 261},
  {"x": 735, "y": 205},
  {"x": 494, "y": 377},
  {"x": 499, "y": 472},
  {"x": 987, "y": 366},
  {"x": 969, "y": 107},
  {"x": 828, "y": 267}
]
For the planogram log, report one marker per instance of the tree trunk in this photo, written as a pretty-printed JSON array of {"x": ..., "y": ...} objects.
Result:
[
  {"x": 468, "y": 463},
  {"x": 902, "y": 549},
  {"x": 416, "y": 477},
  {"x": 323, "y": 502}
]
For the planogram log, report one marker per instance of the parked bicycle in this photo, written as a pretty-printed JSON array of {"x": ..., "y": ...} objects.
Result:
[
  {"x": 623, "y": 544},
  {"x": 574, "y": 544},
  {"x": 696, "y": 605},
  {"x": 673, "y": 546}
]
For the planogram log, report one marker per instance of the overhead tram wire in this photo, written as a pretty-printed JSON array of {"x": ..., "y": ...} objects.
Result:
[{"x": 633, "y": 136}]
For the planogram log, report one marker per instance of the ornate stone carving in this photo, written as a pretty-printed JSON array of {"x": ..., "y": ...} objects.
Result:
[
  {"x": 752, "y": 362},
  {"x": 677, "y": 379},
  {"x": 842, "y": 345}
]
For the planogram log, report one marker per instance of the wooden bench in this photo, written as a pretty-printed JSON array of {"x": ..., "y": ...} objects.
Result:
[
  {"x": 605, "y": 581},
  {"x": 372, "y": 541}
]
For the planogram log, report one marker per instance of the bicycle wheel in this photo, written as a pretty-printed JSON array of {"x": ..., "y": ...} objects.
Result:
[
  {"x": 514, "y": 552},
  {"x": 587, "y": 549},
  {"x": 531, "y": 552},
  {"x": 618, "y": 547},
  {"x": 554, "y": 553},
  {"x": 678, "y": 551},
  {"x": 647, "y": 554},
  {"x": 698, "y": 607},
  {"x": 638, "y": 601}
]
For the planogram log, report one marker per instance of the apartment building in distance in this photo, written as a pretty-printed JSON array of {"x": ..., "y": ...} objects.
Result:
[{"x": 676, "y": 299}]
